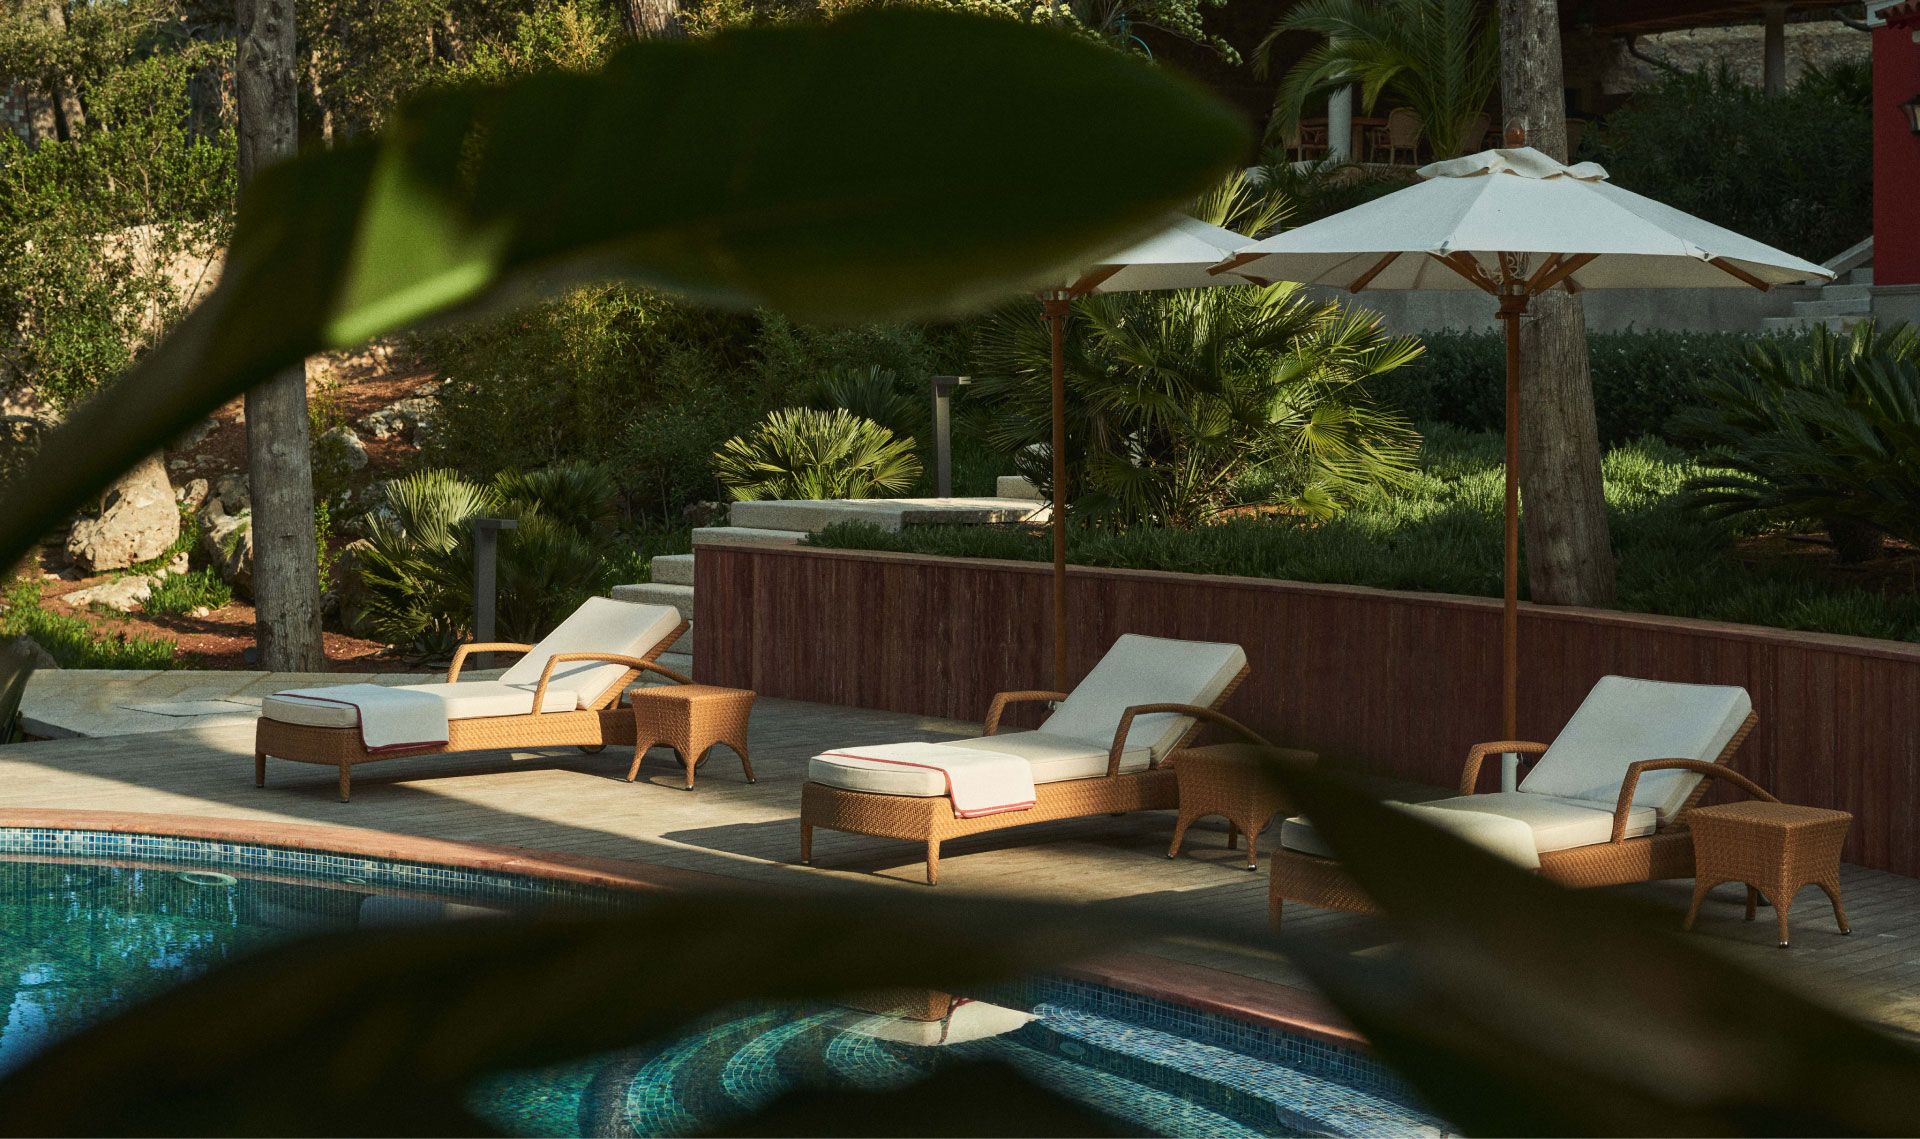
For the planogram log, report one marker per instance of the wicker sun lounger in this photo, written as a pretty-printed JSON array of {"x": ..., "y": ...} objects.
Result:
[
  {"x": 1607, "y": 800},
  {"x": 564, "y": 692},
  {"x": 1099, "y": 753}
]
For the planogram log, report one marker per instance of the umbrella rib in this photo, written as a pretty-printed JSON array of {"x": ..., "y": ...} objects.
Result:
[
  {"x": 1463, "y": 263},
  {"x": 1366, "y": 278},
  {"x": 1557, "y": 270},
  {"x": 1092, "y": 279},
  {"x": 1739, "y": 274}
]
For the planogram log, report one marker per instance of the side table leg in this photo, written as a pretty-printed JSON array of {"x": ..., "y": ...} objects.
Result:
[
  {"x": 1701, "y": 888},
  {"x": 1782, "y": 898},
  {"x": 1833, "y": 895},
  {"x": 640, "y": 749},
  {"x": 1253, "y": 845},
  {"x": 1180, "y": 826}
]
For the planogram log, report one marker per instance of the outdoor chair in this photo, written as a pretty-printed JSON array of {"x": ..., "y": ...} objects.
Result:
[
  {"x": 1473, "y": 133},
  {"x": 1101, "y": 752},
  {"x": 1400, "y": 135},
  {"x": 564, "y": 691},
  {"x": 1307, "y": 142},
  {"x": 1605, "y": 804}
]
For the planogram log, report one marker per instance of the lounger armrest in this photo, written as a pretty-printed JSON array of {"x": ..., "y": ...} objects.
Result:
[
  {"x": 1711, "y": 770},
  {"x": 1470, "y": 774},
  {"x": 460, "y": 654},
  {"x": 639, "y": 664},
  {"x": 1000, "y": 701},
  {"x": 1196, "y": 711}
]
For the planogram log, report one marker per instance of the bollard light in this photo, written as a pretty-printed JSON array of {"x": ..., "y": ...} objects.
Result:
[{"x": 943, "y": 432}]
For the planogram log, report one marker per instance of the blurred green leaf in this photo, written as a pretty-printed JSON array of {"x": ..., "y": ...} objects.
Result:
[
  {"x": 1519, "y": 1007},
  {"x": 381, "y": 1033},
  {"x": 890, "y": 164}
]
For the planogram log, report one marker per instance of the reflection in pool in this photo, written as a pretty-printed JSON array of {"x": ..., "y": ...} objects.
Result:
[{"x": 79, "y": 940}]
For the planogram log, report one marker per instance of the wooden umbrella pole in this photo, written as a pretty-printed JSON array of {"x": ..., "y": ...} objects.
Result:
[
  {"x": 1056, "y": 309},
  {"x": 1512, "y": 307}
]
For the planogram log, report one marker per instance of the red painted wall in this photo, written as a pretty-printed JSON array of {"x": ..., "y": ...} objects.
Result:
[{"x": 1896, "y": 156}]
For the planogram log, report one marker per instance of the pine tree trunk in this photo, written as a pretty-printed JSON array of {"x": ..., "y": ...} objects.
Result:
[
  {"x": 653, "y": 19},
  {"x": 1564, "y": 517},
  {"x": 69, "y": 117},
  {"x": 286, "y": 581}
]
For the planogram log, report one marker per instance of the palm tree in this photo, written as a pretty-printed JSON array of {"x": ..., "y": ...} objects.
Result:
[{"x": 1440, "y": 58}]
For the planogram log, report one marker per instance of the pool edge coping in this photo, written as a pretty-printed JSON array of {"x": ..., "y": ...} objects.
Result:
[{"x": 1234, "y": 995}]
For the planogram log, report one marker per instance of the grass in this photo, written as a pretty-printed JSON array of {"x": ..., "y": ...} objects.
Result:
[
  {"x": 71, "y": 640},
  {"x": 1443, "y": 534},
  {"x": 178, "y": 594}
]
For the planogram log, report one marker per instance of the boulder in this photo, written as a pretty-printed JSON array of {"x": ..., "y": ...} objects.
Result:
[
  {"x": 234, "y": 492},
  {"x": 122, "y": 594},
  {"x": 196, "y": 434},
  {"x": 341, "y": 445},
  {"x": 178, "y": 565},
  {"x": 25, "y": 650},
  {"x": 138, "y": 522},
  {"x": 227, "y": 541},
  {"x": 400, "y": 418},
  {"x": 192, "y": 493}
]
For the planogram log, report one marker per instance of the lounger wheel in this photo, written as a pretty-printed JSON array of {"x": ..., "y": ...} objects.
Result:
[{"x": 592, "y": 749}]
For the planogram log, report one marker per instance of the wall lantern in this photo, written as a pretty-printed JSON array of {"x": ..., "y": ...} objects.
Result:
[{"x": 1911, "y": 109}]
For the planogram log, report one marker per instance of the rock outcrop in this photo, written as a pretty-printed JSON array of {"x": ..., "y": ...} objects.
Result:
[{"x": 137, "y": 522}]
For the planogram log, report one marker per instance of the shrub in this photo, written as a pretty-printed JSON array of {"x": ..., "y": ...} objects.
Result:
[
  {"x": 178, "y": 594},
  {"x": 1825, "y": 430},
  {"x": 801, "y": 452},
  {"x": 1640, "y": 379},
  {"x": 417, "y": 575},
  {"x": 1792, "y": 170},
  {"x": 1443, "y": 533},
  {"x": 72, "y": 641},
  {"x": 1181, "y": 405}
]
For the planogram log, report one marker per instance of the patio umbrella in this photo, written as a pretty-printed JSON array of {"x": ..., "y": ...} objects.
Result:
[
  {"x": 1513, "y": 224},
  {"x": 1182, "y": 256}
]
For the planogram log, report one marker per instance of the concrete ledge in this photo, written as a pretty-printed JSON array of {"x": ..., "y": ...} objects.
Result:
[
  {"x": 813, "y": 516},
  {"x": 710, "y": 534}
]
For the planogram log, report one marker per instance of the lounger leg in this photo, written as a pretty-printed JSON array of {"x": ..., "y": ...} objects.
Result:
[
  {"x": 259, "y": 769},
  {"x": 806, "y": 844},
  {"x": 933, "y": 862},
  {"x": 1275, "y": 903},
  {"x": 1233, "y": 835},
  {"x": 346, "y": 782},
  {"x": 1839, "y": 912}
]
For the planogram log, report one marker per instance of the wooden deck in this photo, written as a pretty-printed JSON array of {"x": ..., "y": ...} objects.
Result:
[{"x": 580, "y": 804}]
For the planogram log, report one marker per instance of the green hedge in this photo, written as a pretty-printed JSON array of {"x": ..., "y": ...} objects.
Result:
[
  {"x": 1445, "y": 536},
  {"x": 1639, "y": 379}
]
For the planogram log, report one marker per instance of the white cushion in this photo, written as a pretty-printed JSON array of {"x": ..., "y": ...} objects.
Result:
[
  {"x": 601, "y": 625},
  {"x": 1146, "y": 670},
  {"x": 1623, "y": 721},
  {"x": 467, "y": 700},
  {"x": 1054, "y": 760},
  {"x": 1494, "y": 822}
]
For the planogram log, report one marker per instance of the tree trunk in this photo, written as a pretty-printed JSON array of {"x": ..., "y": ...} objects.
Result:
[
  {"x": 653, "y": 19},
  {"x": 1564, "y": 519},
  {"x": 286, "y": 580},
  {"x": 66, "y": 98}
]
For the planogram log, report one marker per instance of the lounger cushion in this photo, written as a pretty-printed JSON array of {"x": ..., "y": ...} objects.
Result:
[
  {"x": 1054, "y": 760},
  {"x": 601, "y": 625},
  {"x": 1493, "y": 822},
  {"x": 467, "y": 700},
  {"x": 1624, "y": 720},
  {"x": 1146, "y": 670}
]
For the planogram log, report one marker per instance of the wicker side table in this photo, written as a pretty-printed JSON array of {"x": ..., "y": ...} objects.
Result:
[
  {"x": 690, "y": 719},
  {"x": 1225, "y": 780},
  {"x": 1775, "y": 848}
]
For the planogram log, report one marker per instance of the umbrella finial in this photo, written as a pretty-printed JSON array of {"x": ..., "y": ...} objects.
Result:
[{"x": 1516, "y": 134}]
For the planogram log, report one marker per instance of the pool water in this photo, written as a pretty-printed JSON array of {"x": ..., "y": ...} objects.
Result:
[{"x": 80, "y": 939}]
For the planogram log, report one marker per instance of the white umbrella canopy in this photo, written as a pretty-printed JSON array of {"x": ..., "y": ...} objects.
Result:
[
  {"x": 1182, "y": 256},
  {"x": 1518, "y": 202},
  {"x": 1515, "y": 223}
]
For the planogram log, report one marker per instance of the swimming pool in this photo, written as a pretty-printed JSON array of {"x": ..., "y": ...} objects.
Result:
[{"x": 91, "y": 922}]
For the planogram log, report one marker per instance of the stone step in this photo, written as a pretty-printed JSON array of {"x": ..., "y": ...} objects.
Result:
[
  {"x": 1850, "y": 306},
  {"x": 654, "y": 593},
  {"x": 1860, "y": 276},
  {"x": 890, "y": 514},
  {"x": 1016, "y": 486},
  {"x": 708, "y": 534},
  {"x": 1848, "y": 292},
  {"x": 672, "y": 569}
]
